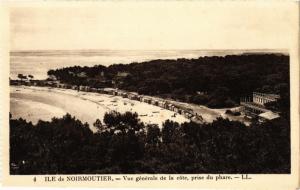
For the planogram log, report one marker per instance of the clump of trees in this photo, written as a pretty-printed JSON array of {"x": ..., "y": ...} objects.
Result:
[
  {"x": 24, "y": 77},
  {"x": 123, "y": 144},
  {"x": 215, "y": 81}
]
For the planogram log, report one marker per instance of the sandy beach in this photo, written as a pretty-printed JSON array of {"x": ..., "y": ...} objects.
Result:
[{"x": 34, "y": 103}]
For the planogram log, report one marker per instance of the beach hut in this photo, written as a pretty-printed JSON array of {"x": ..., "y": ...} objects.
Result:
[
  {"x": 68, "y": 86},
  {"x": 93, "y": 89},
  {"x": 119, "y": 93},
  {"x": 124, "y": 94},
  {"x": 74, "y": 87},
  {"x": 140, "y": 98},
  {"x": 110, "y": 91},
  {"x": 100, "y": 90},
  {"x": 175, "y": 109},
  {"x": 153, "y": 102},
  {"x": 133, "y": 96}
]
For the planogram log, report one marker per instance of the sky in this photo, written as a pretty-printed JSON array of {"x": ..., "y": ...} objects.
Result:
[{"x": 151, "y": 25}]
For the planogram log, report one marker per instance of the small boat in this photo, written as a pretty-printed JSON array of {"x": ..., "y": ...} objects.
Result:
[
  {"x": 142, "y": 115},
  {"x": 155, "y": 112}
]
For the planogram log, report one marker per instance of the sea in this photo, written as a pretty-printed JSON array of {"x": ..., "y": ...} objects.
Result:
[{"x": 37, "y": 63}]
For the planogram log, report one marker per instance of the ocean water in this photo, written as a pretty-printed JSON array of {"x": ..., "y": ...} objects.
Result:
[{"x": 37, "y": 63}]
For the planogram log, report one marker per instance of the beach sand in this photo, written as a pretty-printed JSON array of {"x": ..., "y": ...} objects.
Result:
[{"x": 34, "y": 103}]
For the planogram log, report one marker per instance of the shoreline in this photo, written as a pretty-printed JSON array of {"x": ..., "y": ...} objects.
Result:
[
  {"x": 207, "y": 114},
  {"x": 87, "y": 106}
]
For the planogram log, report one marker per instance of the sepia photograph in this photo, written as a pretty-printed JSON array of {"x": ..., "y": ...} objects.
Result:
[
  {"x": 118, "y": 89},
  {"x": 187, "y": 111}
]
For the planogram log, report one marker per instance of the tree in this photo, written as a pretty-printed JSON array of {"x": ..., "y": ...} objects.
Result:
[
  {"x": 153, "y": 134},
  {"x": 98, "y": 125},
  {"x": 169, "y": 131},
  {"x": 21, "y": 76},
  {"x": 31, "y": 77}
]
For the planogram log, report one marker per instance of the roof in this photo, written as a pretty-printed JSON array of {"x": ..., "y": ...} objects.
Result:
[
  {"x": 275, "y": 96},
  {"x": 269, "y": 115},
  {"x": 109, "y": 89},
  {"x": 255, "y": 106}
]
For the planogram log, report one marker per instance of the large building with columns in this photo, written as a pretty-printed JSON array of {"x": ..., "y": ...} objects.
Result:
[
  {"x": 262, "y": 98},
  {"x": 255, "y": 106}
]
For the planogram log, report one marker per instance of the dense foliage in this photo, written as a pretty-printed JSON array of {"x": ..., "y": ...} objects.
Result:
[
  {"x": 125, "y": 145},
  {"x": 212, "y": 81}
]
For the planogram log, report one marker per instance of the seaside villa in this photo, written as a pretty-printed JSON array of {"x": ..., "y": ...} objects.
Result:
[{"x": 254, "y": 107}]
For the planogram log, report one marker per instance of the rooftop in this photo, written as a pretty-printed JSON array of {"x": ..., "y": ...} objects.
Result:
[{"x": 269, "y": 115}]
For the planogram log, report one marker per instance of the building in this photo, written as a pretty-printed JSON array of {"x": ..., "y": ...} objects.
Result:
[
  {"x": 122, "y": 74},
  {"x": 162, "y": 104},
  {"x": 74, "y": 87},
  {"x": 84, "y": 88},
  {"x": 267, "y": 116},
  {"x": 262, "y": 98},
  {"x": 146, "y": 99},
  {"x": 81, "y": 75},
  {"x": 254, "y": 107},
  {"x": 110, "y": 91},
  {"x": 133, "y": 96},
  {"x": 93, "y": 89}
]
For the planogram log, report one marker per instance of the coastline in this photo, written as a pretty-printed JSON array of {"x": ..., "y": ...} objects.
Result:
[{"x": 97, "y": 104}]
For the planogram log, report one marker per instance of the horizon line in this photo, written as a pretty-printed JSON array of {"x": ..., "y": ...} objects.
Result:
[{"x": 208, "y": 50}]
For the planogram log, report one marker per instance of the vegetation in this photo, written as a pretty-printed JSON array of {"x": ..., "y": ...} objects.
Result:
[
  {"x": 216, "y": 82},
  {"x": 123, "y": 144},
  {"x": 22, "y": 77}
]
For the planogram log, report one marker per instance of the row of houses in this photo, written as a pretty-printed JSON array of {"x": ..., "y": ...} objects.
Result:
[{"x": 165, "y": 104}]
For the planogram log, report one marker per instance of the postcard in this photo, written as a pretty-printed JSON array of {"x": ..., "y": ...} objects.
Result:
[{"x": 150, "y": 94}]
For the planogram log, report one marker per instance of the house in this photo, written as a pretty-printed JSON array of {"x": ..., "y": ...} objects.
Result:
[
  {"x": 81, "y": 75},
  {"x": 154, "y": 102},
  {"x": 110, "y": 91},
  {"x": 175, "y": 109},
  {"x": 124, "y": 94},
  {"x": 60, "y": 85},
  {"x": 100, "y": 90},
  {"x": 93, "y": 89},
  {"x": 146, "y": 99},
  {"x": 84, "y": 88},
  {"x": 254, "y": 107},
  {"x": 74, "y": 87},
  {"x": 162, "y": 104},
  {"x": 68, "y": 86},
  {"x": 52, "y": 77},
  {"x": 133, "y": 96},
  {"x": 122, "y": 74},
  {"x": 262, "y": 98}
]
